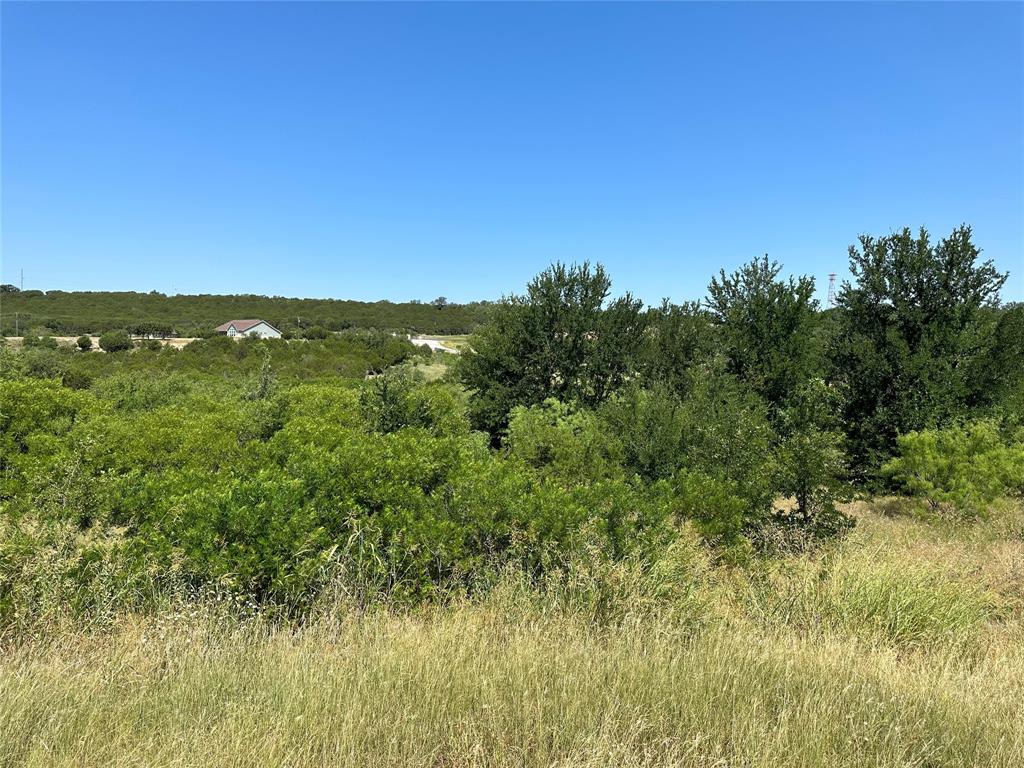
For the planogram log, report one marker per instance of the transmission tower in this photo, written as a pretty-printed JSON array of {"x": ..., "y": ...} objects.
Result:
[{"x": 831, "y": 289}]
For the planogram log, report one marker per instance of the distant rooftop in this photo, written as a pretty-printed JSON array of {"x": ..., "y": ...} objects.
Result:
[{"x": 240, "y": 325}]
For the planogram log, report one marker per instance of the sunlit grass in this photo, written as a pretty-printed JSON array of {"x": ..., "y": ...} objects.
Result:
[{"x": 904, "y": 646}]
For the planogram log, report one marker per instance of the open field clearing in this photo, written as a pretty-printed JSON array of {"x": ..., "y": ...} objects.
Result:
[{"x": 903, "y": 646}]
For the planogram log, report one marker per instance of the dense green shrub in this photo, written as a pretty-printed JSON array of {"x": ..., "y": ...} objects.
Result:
[
  {"x": 570, "y": 444},
  {"x": 727, "y": 436},
  {"x": 396, "y": 400},
  {"x": 648, "y": 426},
  {"x": 115, "y": 341},
  {"x": 84, "y": 343},
  {"x": 964, "y": 467},
  {"x": 44, "y": 362},
  {"x": 272, "y": 497},
  {"x": 316, "y": 332},
  {"x": 809, "y": 459},
  {"x": 40, "y": 342},
  {"x": 268, "y": 468},
  {"x": 35, "y": 417},
  {"x": 75, "y": 379}
]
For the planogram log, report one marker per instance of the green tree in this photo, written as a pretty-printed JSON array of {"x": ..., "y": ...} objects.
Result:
[
  {"x": 809, "y": 459},
  {"x": 316, "y": 332},
  {"x": 905, "y": 337},
  {"x": 766, "y": 327},
  {"x": 997, "y": 372},
  {"x": 84, "y": 343},
  {"x": 563, "y": 339},
  {"x": 115, "y": 341},
  {"x": 679, "y": 337}
]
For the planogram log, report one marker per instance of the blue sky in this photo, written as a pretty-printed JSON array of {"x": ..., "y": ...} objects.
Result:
[{"x": 409, "y": 151}]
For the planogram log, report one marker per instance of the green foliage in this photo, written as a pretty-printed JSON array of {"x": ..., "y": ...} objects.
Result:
[
  {"x": 714, "y": 502},
  {"x": 75, "y": 379},
  {"x": 997, "y": 371},
  {"x": 273, "y": 496},
  {"x": 74, "y": 312},
  {"x": 727, "y": 436},
  {"x": 268, "y": 469},
  {"x": 648, "y": 426},
  {"x": 679, "y": 337},
  {"x": 810, "y": 461},
  {"x": 35, "y": 417},
  {"x": 397, "y": 399},
  {"x": 563, "y": 339},
  {"x": 962, "y": 467},
  {"x": 115, "y": 341},
  {"x": 715, "y": 445},
  {"x": 316, "y": 332},
  {"x": 563, "y": 442},
  {"x": 44, "y": 362},
  {"x": 765, "y": 327},
  {"x": 264, "y": 384},
  {"x": 906, "y": 335},
  {"x": 84, "y": 343},
  {"x": 39, "y": 342}
]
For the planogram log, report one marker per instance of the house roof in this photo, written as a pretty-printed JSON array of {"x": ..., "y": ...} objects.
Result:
[{"x": 241, "y": 325}]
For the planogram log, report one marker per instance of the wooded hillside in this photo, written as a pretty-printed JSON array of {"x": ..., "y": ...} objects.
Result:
[{"x": 71, "y": 313}]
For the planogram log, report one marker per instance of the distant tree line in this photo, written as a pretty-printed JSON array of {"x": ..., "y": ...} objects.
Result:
[{"x": 70, "y": 313}]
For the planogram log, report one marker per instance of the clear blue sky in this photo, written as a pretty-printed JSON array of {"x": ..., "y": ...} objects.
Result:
[{"x": 408, "y": 151}]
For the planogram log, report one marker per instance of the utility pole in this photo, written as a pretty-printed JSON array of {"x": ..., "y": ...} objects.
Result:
[{"x": 23, "y": 278}]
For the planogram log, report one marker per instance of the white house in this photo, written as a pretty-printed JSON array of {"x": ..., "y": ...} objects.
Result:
[{"x": 259, "y": 328}]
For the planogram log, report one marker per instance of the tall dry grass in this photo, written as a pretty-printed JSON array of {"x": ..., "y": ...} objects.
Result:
[{"x": 903, "y": 646}]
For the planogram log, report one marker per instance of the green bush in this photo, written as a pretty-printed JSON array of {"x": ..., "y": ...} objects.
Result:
[
  {"x": 75, "y": 379},
  {"x": 35, "y": 418},
  {"x": 84, "y": 343},
  {"x": 316, "y": 332},
  {"x": 964, "y": 467},
  {"x": 40, "y": 342},
  {"x": 115, "y": 341},
  {"x": 727, "y": 439},
  {"x": 397, "y": 399},
  {"x": 810, "y": 465},
  {"x": 648, "y": 425},
  {"x": 570, "y": 444}
]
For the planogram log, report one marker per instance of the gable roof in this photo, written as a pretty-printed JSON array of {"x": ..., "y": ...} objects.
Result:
[{"x": 241, "y": 325}]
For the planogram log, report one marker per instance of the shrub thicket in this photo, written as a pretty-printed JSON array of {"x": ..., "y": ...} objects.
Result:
[{"x": 576, "y": 429}]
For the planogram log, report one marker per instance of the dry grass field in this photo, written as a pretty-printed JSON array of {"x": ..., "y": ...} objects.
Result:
[{"x": 903, "y": 646}]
